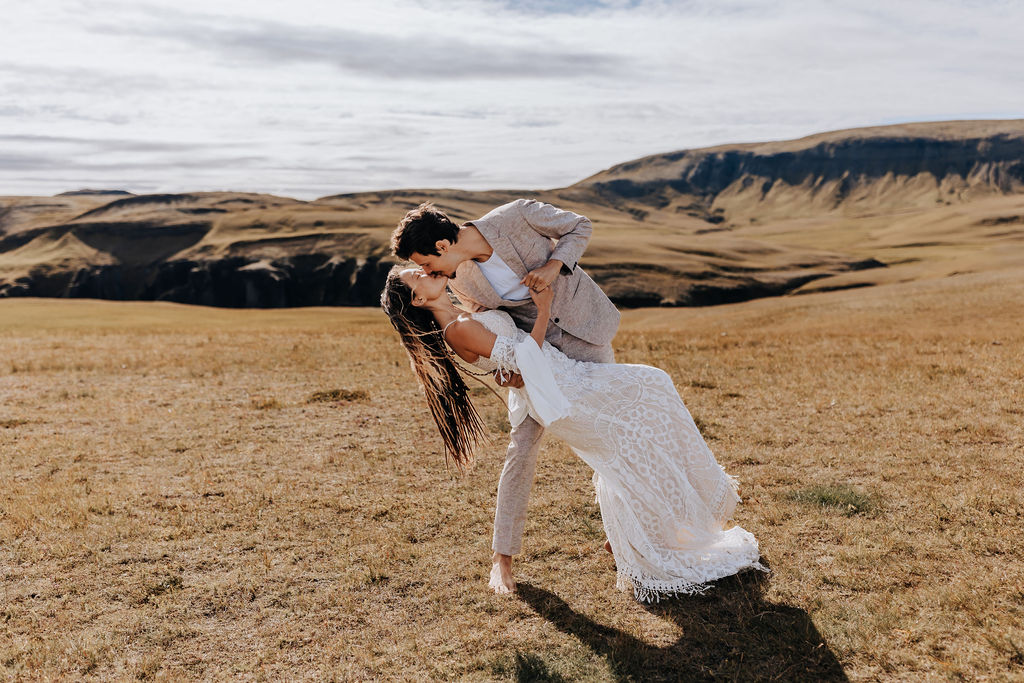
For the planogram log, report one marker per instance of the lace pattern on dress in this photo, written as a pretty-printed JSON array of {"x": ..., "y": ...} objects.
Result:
[
  {"x": 504, "y": 356},
  {"x": 664, "y": 498}
]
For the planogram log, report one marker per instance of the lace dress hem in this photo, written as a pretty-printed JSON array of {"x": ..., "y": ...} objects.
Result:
[{"x": 646, "y": 589}]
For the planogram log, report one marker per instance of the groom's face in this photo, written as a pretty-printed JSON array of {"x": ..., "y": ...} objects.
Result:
[{"x": 444, "y": 262}]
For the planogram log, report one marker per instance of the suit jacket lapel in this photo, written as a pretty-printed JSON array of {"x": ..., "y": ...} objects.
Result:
[{"x": 470, "y": 279}]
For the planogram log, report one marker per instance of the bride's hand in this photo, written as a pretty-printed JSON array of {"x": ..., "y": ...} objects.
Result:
[{"x": 543, "y": 298}]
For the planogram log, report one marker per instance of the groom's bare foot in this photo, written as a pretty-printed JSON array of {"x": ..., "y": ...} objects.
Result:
[{"x": 501, "y": 574}]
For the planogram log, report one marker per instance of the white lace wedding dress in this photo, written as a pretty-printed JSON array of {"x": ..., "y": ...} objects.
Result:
[{"x": 664, "y": 498}]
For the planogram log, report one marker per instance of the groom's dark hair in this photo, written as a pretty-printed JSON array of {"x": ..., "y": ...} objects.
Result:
[{"x": 420, "y": 230}]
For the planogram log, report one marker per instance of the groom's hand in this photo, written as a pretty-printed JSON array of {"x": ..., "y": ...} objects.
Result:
[
  {"x": 515, "y": 381},
  {"x": 541, "y": 278}
]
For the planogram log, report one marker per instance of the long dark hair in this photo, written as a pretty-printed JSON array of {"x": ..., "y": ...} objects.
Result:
[{"x": 446, "y": 393}]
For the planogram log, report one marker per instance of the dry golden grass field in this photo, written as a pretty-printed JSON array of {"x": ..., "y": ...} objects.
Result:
[{"x": 194, "y": 493}]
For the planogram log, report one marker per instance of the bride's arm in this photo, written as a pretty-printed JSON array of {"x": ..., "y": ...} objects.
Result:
[
  {"x": 470, "y": 340},
  {"x": 543, "y": 301}
]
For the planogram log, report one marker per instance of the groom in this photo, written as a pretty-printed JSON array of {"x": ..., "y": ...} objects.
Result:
[{"x": 491, "y": 261}]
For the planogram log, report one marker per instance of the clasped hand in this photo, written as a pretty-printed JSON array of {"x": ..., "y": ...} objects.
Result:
[
  {"x": 541, "y": 278},
  {"x": 539, "y": 282},
  {"x": 509, "y": 379},
  {"x": 543, "y": 300}
]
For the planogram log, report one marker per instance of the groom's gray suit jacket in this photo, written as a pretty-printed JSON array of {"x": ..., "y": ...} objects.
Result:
[{"x": 526, "y": 234}]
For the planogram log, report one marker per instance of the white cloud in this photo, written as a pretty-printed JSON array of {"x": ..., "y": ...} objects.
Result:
[
  {"x": 260, "y": 44},
  {"x": 316, "y": 97}
]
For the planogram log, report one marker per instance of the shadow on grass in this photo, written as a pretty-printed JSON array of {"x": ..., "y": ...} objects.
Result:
[{"x": 730, "y": 633}]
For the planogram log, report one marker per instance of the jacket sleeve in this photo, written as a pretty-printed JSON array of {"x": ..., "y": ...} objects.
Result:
[{"x": 571, "y": 230}]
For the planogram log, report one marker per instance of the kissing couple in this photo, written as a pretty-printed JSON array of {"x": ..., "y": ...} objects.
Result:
[{"x": 544, "y": 328}]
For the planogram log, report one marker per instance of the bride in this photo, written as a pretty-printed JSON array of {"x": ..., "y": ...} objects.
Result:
[{"x": 664, "y": 498}]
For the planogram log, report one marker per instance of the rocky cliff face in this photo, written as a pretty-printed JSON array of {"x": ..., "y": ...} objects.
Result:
[
  {"x": 153, "y": 248},
  {"x": 911, "y": 165},
  {"x": 305, "y": 280}
]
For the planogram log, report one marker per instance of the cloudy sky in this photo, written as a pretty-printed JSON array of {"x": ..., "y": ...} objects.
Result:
[{"x": 306, "y": 98}]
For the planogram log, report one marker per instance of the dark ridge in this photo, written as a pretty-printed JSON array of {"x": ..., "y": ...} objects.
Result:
[
  {"x": 866, "y": 264},
  {"x": 702, "y": 252},
  {"x": 237, "y": 200},
  {"x": 139, "y": 200},
  {"x": 833, "y": 288},
  {"x": 706, "y": 173},
  {"x": 199, "y": 210},
  {"x": 74, "y": 193},
  {"x": 710, "y": 284},
  {"x": 1001, "y": 220},
  {"x": 133, "y": 244},
  {"x": 908, "y": 245},
  {"x": 413, "y": 197},
  {"x": 19, "y": 239},
  {"x": 306, "y": 280}
]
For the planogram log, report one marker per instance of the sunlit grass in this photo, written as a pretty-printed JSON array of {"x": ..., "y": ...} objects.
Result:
[
  {"x": 177, "y": 505},
  {"x": 339, "y": 395},
  {"x": 845, "y": 498}
]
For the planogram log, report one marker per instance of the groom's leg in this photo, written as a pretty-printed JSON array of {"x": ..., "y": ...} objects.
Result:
[
  {"x": 514, "y": 486},
  {"x": 521, "y": 458}
]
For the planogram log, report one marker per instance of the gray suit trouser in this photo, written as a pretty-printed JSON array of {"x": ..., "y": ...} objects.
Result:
[{"x": 521, "y": 458}]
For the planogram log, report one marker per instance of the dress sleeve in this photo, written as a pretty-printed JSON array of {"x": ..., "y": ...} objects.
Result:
[
  {"x": 547, "y": 402},
  {"x": 504, "y": 356}
]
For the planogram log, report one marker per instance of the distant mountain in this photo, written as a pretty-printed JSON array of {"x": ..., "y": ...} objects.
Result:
[
  {"x": 73, "y": 193},
  {"x": 901, "y": 166},
  {"x": 715, "y": 225}
]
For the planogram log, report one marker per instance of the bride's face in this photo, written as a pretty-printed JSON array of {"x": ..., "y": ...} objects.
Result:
[{"x": 425, "y": 288}]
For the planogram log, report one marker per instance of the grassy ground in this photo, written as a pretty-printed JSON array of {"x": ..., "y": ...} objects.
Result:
[{"x": 205, "y": 493}]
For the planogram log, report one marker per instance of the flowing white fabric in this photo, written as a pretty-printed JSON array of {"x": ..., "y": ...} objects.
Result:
[
  {"x": 664, "y": 498},
  {"x": 540, "y": 395}
]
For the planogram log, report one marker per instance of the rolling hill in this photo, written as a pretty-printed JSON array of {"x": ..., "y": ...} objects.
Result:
[{"x": 852, "y": 208}]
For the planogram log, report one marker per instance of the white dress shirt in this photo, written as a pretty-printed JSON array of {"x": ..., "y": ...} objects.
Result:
[{"x": 503, "y": 279}]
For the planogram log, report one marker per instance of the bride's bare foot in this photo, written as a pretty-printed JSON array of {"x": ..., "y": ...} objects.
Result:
[
  {"x": 608, "y": 547},
  {"x": 501, "y": 574}
]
